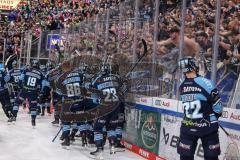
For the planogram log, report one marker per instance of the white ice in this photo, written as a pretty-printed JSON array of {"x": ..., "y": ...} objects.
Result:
[{"x": 20, "y": 141}]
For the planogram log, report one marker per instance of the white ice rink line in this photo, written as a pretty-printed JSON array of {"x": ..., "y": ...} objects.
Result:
[{"x": 21, "y": 142}]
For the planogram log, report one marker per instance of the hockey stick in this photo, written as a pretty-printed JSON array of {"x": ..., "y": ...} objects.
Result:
[
  {"x": 232, "y": 148},
  {"x": 144, "y": 54},
  {"x": 224, "y": 130},
  {"x": 57, "y": 134}
]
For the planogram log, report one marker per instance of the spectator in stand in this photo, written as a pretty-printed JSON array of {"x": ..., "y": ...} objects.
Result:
[{"x": 191, "y": 48}]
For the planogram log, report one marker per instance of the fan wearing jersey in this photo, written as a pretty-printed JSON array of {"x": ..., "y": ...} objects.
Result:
[
  {"x": 202, "y": 108},
  {"x": 110, "y": 84},
  {"x": 71, "y": 84},
  {"x": 31, "y": 82}
]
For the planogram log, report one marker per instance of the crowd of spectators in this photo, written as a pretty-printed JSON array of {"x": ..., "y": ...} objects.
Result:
[
  {"x": 38, "y": 15},
  {"x": 200, "y": 25}
]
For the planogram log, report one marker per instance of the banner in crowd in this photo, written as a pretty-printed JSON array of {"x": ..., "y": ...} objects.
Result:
[
  {"x": 9, "y": 4},
  {"x": 54, "y": 41}
]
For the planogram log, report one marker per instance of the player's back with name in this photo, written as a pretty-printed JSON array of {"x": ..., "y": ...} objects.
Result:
[
  {"x": 73, "y": 77},
  {"x": 33, "y": 73},
  {"x": 106, "y": 81},
  {"x": 32, "y": 79},
  {"x": 72, "y": 84},
  {"x": 198, "y": 108}
]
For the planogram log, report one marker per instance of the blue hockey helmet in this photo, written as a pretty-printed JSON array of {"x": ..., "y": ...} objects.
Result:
[{"x": 188, "y": 64}]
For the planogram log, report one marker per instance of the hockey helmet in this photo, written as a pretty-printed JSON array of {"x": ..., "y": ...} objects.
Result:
[
  {"x": 14, "y": 64},
  {"x": 83, "y": 67},
  {"x": 49, "y": 65},
  {"x": 35, "y": 63},
  {"x": 188, "y": 64},
  {"x": 105, "y": 68}
]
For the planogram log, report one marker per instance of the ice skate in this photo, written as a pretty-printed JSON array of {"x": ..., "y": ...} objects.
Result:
[
  {"x": 119, "y": 147},
  {"x": 66, "y": 143},
  {"x": 112, "y": 149},
  {"x": 72, "y": 135},
  {"x": 98, "y": 154},
  {"x": 84, "y": 142},
  {"x": 49, "y": 111},
  {"x": 33, "y": 123},
  {"x": 56, "y": 120},
  {"x": 11, "y": 120}
]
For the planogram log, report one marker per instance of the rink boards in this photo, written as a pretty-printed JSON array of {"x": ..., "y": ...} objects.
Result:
[{"x": 153, "y": 126}]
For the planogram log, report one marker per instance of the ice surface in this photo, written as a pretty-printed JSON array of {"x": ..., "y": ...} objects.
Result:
[{"x": 20, "y": 141}]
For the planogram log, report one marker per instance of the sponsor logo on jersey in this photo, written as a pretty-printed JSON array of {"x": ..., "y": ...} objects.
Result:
[
  {"x": 192, "y": 89},
  {"x": 196, "y": 124}
]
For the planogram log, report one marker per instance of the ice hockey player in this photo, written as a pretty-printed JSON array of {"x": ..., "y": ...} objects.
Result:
[
  {"x": 56, "y": 97},
  {"x": 4, "y": 95},
  {"x": 45, "y": 98},
  {"x": 82, "y": 127},
  {"x": 72, "y": 83},
  {"x": 31, "y": 82},
  {"x": 14, "y": 75},
  {"x": 202, "y": 108},
  {"x": 109, "y": 83}
]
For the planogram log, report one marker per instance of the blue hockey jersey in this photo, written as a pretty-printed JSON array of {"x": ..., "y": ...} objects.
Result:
[{"x": 201, "y": 104}]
